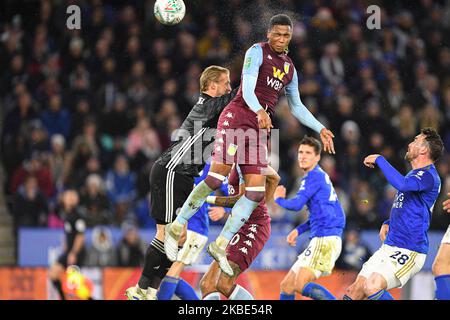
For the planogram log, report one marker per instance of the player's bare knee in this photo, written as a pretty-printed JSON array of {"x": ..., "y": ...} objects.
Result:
[{"x": 214, "y": 180}]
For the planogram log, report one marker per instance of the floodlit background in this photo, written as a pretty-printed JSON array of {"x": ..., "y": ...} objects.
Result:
[{"x": 79, "y": 106}]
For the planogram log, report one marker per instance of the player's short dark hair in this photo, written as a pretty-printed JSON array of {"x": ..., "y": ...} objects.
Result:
[
  {"x": 435, "y": 143},
  {"x": 280, "y": 19},
  {"x": 313, "y": 142}
]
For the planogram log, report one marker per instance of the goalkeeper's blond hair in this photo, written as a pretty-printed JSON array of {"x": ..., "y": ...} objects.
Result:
[{"x": 211, "y": 74}]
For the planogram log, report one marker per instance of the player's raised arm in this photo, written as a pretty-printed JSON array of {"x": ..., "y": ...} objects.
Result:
[
  {"x": 299, "y": 110},
  {"x": 396, "y": 179},
  {"x": 252, "y": 62},
  {"x": 226, "y": 201}
]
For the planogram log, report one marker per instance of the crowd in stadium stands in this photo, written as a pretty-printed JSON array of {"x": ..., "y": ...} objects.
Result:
[{"x": 92, "y": 109}]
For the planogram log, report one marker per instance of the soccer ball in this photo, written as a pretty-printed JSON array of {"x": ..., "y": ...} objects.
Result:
[{"x": 169, "y": 12}]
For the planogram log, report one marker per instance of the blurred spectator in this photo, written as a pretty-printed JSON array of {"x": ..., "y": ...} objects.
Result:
[
  {"x": 77, "y": 178},
  {"x": 85, "y": 145},
  {"x": 57, "y": 159},
  {"x": 117, "y": 123},
  {"x": 331, "y": 65},
  {"x": 354, "y": 252},
  {"x": 94, "y": 201},
  {"x": 120, "y": 181},
  {"x": 362, "y": 214},
  {"x": 101, "y": 252},
  {"x": 121, "y": 190},
  {"x": 18, "y": 118},
  {"x": 33, "y": 166},
  {"x": 56, "y": 119},
  {"x": 143, "y": 138},
  {"x": 131, "y": 248},
  {"x": 29, "y": 205},
  {"x": 37, "y": 138},
  {"x": 142, "y": 213},
  {"x": 213, "y": 46}
]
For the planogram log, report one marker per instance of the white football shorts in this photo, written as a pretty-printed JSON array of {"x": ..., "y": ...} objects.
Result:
[
  {"x": 192, "y": 247},
  {"x": 396, "y": 265},
  {"x": 320, "y": 255}
]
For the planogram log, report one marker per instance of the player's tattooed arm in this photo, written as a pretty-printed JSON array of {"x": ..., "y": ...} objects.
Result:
[
  {"x": 227, "y": 202},
  {"x": 272, "y": 180}
]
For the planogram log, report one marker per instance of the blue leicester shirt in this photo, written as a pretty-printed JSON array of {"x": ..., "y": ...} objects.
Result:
[
  {"x": 411, "y": 211},
  {"x": 326, "y": 216},
  {"x": 199, "y": 222}
]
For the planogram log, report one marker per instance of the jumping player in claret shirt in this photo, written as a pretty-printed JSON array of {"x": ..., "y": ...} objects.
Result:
[{"x": 242, "y": 136}]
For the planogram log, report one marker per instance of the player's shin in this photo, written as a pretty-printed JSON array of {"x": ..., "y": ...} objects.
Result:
[
  {"x": 155, "y": 266},
  {"x": 196, "y": 200},
  {"x": 317, "y": 292},
  {"x": 442, "y": 287},
  {"x": 239, "y": 215}
]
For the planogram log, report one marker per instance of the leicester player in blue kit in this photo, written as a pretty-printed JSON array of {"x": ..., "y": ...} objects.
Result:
[
  {"x": 441, "y": 264},
  {"x": 326, "y": 223},
  {"x": 404, "y": 235}
]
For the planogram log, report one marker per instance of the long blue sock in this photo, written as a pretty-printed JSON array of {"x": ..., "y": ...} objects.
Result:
[
  {"x": 442, "y": 287},
  {"x": 167, "y": 288},
  {"x": 286, "y": 296},
  {"x": 381, "y": 295},
  {"x": 185, "y": 291},
  {"x": 317, "y": 292}
]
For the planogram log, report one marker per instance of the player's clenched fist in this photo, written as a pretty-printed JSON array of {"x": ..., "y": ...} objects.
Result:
[
  {"x": 369, "y": 161},
  {"x": 292, "y": 238},
  {"x": 264, "y": 121},
  {"x": 383, "y": 232},
  {"x": 280, "y": 192},
  {"x": 216, "y": 213}
]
